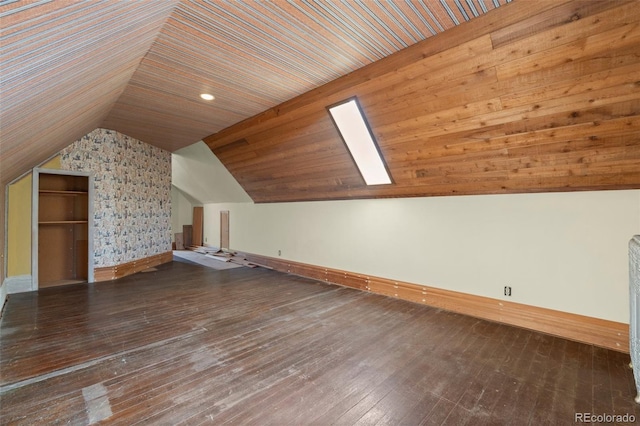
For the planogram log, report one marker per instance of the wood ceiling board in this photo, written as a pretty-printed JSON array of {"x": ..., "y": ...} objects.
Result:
[
  {"x": 556, "y": 17},
  {"x": 492, "y": 112},
  {"x": 252, "y": 56},
  {"x": 168, "y": 120},
  {"x": 367, "y": 77},
  {"x": 63, "y": 66},
  {"x": 440, "y": 71},
  {"x": 621, "y": 36},
  {"x": 417, "y": 115},
  {"x": 434, "y": 150},
  {"x": 67, "y": 118},
  {"x": 625, "y": 74}
]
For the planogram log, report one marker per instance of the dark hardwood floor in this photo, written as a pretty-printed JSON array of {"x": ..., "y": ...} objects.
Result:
[{"x": 192, "y": 345}]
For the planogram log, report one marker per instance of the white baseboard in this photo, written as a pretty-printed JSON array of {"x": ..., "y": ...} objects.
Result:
[{"x": 18, "y": 284}]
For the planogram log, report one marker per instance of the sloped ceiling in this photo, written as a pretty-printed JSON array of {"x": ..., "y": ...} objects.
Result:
[
  {"x": 63, "y": 66},
  {"x": 530, "y": 96},
  {"x": 536, "y": 96},
  {"x": 138, "y": 67}
]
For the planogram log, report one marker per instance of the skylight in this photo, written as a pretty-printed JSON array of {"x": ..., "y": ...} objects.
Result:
[{"x": 355, "y": 132}]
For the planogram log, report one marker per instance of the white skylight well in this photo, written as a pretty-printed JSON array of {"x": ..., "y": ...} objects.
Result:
[{"x": 356, "y": 134}]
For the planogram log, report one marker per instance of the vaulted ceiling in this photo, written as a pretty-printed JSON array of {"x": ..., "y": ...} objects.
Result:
[
  {"x": 138, "y": 67},
  {"x": 535, "y": 96},
  {"x": 532, "y": 96}
]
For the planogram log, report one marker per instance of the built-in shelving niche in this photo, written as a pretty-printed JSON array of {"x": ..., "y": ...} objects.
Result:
[{"x": 62, "y": 228}]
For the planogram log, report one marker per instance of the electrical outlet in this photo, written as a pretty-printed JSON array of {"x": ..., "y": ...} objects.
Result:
[
  {"x": 507, "y": 290},
  {"x": 279, "y": 252},
  {"x": 205, "y": 239}
]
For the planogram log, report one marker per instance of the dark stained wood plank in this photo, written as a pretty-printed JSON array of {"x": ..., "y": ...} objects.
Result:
[
  {"x": 192, "y": 345},
  {"x": 584, "y": 329},
  {"x": 618, "y": 369}
]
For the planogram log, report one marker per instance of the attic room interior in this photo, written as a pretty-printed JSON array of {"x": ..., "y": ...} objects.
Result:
[{"x": 490, "y": 276}]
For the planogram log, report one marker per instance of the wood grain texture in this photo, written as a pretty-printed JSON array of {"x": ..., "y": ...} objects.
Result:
[
  {"x": 224, "y": 229},
  {"x": 63, "y": 66},
  {"x": 532, "y": 97},
  {"x": 108, "y": 273},
  {"x": 63, "y": 209},
  {"x": 192, "y": 345},
  {"x": 198, "y": 223},
  {"x": 594, "y": 331},
  {"x": 69, "y": 67},
  {"x": 55, "y": 254},
  {"x": 187, "y": 235}
]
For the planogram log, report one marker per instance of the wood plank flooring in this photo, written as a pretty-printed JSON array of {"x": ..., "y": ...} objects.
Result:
[{"x": 193, "y": 345}]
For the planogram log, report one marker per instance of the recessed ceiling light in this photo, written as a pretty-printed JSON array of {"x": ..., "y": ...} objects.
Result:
[
  {"x": 207, "y": 97},
  {"x": 355, "y": 132}
]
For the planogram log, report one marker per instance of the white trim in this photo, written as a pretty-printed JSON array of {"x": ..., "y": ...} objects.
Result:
[{"x": 18, "y": 284}]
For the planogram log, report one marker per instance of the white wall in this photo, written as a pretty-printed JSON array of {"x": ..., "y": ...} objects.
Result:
[
  {"x": 181, "y": 211},
  {"x": 197, "y": 178},
  {"x": 563, "y": 251},
  {"x": 200, "y": 175}
]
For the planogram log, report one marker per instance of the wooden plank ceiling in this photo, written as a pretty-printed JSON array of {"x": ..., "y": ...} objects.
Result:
[
  {"x": 63, "y": 66},
  {"x": 68, "y": 67},
  {"x": 532, "y": 96}
]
